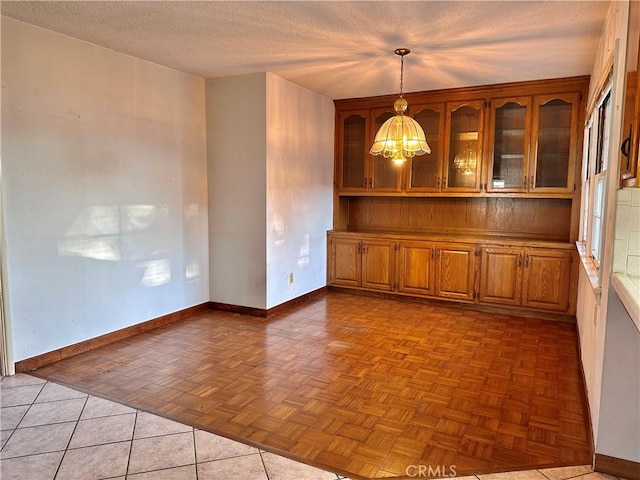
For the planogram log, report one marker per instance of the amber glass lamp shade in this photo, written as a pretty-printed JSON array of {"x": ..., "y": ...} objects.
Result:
[{"x": 400, "y": 137}]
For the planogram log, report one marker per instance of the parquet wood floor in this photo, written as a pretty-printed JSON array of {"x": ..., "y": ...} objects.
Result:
[{"x": 358, "y": 385}]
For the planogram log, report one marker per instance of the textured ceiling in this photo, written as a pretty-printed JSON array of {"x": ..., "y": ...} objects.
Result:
[{"x": 341, "y": 49}]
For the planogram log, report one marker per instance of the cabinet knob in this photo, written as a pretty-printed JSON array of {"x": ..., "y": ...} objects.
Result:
[
  {"x": 531, "y": 184},
  {"x": 526, "y": 263},
  {"x": 520, "y": 260}
]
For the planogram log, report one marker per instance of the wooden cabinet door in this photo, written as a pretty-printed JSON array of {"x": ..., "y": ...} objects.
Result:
[
  {"x": 455, "y": 270},
  {"x": 501, "y": 275},
  {"x": 463, "y": 146},
  {"x": 378, "y": 264},
  {"x": 415, "y": 268},
  {"x": 508, "y": 142},
  {"x": 546, "y": 279},
  {"x": 384, "y": 174},
  {"x": 352, "y": 150},
  {"x": 424, "y": 172},
  {"x": 344, "y": 262},
  {"x": 555, "y": 143}
]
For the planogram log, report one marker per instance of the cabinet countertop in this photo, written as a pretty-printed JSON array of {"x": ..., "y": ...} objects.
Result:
[
  {"x": 628, "y": 289},
  {"x": 462, "y": 237}
]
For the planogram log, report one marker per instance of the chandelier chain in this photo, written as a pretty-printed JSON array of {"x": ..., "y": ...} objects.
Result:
[{"x": 401, "y": 74}]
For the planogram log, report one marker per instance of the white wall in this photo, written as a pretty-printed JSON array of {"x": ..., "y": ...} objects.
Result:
[
  {"x": 270, "y": 159},
  {"x": 236, "y": 151},
  {"x": 300, "y": 126},
  {"x": 104, "y": 189}
]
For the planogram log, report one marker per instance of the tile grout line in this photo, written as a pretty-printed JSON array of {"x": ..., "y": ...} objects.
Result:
[
  {"x": 195, "y": 451},
  {"x": 64, "y": 454},
  {"x": 133, "y": 433}
]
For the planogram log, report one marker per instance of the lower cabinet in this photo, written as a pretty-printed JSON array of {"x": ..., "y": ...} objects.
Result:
[
  {"x": 360, "y": 262},
  {"x": 445, "y": 270},
  {"x": 531, "y": 277}
]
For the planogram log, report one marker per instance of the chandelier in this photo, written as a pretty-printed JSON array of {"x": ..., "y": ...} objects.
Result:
[{"x": 400, "y": 137}]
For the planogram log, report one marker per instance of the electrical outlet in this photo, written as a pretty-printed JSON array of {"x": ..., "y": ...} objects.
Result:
[{"x": 291, "y": 278}]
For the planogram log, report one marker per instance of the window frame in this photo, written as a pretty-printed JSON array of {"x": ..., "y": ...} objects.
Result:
[{"x": 596, "y": 160}]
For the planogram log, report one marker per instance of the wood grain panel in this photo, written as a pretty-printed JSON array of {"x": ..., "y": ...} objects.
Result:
[{"x": 536, "y": 218}]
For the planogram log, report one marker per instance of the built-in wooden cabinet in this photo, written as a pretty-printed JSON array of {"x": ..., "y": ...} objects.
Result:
[
  {"x": 528, "y": 277},
  {"x": 536, "y": 278},
  {"x": 489, "y": 217},
  {"x": 362, "y": 262},
  {"x": 488, "y": 143}
]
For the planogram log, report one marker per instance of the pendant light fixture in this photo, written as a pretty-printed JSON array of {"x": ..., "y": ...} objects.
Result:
[{"x": 400, "y": 137}]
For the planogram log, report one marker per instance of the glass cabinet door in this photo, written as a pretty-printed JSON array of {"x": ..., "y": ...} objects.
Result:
[
  {"x": 555, "y": 122},
  {"x": 425, "y": 171},
  {"x": 353, "y": 150},
  {"x": 384, "y": 174},
  {"x": 464, "y": 152},
  {"x": 510, "y": 124}
]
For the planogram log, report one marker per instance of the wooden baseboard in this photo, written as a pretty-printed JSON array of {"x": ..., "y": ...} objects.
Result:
[
  {"x": 617, "y": 466},
  {"x": 81, "y": 347},
  {"x": 297, "y": 300},
  {"x": 265, "y": 312}
]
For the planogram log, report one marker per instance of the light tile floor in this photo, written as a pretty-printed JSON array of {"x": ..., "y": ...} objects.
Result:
[{"x": 53, "y": 432}]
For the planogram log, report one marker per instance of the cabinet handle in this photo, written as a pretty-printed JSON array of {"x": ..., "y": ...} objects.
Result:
[
  {"x": 444, "y": 182},
  {"x": 438, "y": 253},
  {"x": 359, "y": 248},
  {"x": 364, "y": 248},
  {"x": 524, "y": 183},
  {"x": 370, "y": 182},
  {"x": 437, "y": 183},
  {"x": 531, "y": 184},
  {"x": 432, "y": 254},
  {"x": 520, "y": 260},
  {"x": 526, "y": 263}
]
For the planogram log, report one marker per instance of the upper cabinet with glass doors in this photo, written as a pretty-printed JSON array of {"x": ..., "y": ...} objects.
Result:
[{"x": 498, "y": 140}]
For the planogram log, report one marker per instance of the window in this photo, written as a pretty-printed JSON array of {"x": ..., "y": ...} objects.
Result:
[{"x": 594, "y": 176}]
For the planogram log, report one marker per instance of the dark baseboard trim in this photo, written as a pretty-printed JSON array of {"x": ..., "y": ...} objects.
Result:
[
  {"x": 84, "y": 346},
  {"x": 266, "y": 312},
  {"x": 228, "y": 307},
  {"x": 294, "y": 301},
  {"x": 617, "y": 466}
]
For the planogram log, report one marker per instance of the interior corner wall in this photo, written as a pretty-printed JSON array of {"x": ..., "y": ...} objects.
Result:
[
  {"x": 300, "y": 142},
  {"x": 236, "y": 160},
  {"x": 591, "y": 315},
  {"x": 104, "y": 189}
]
